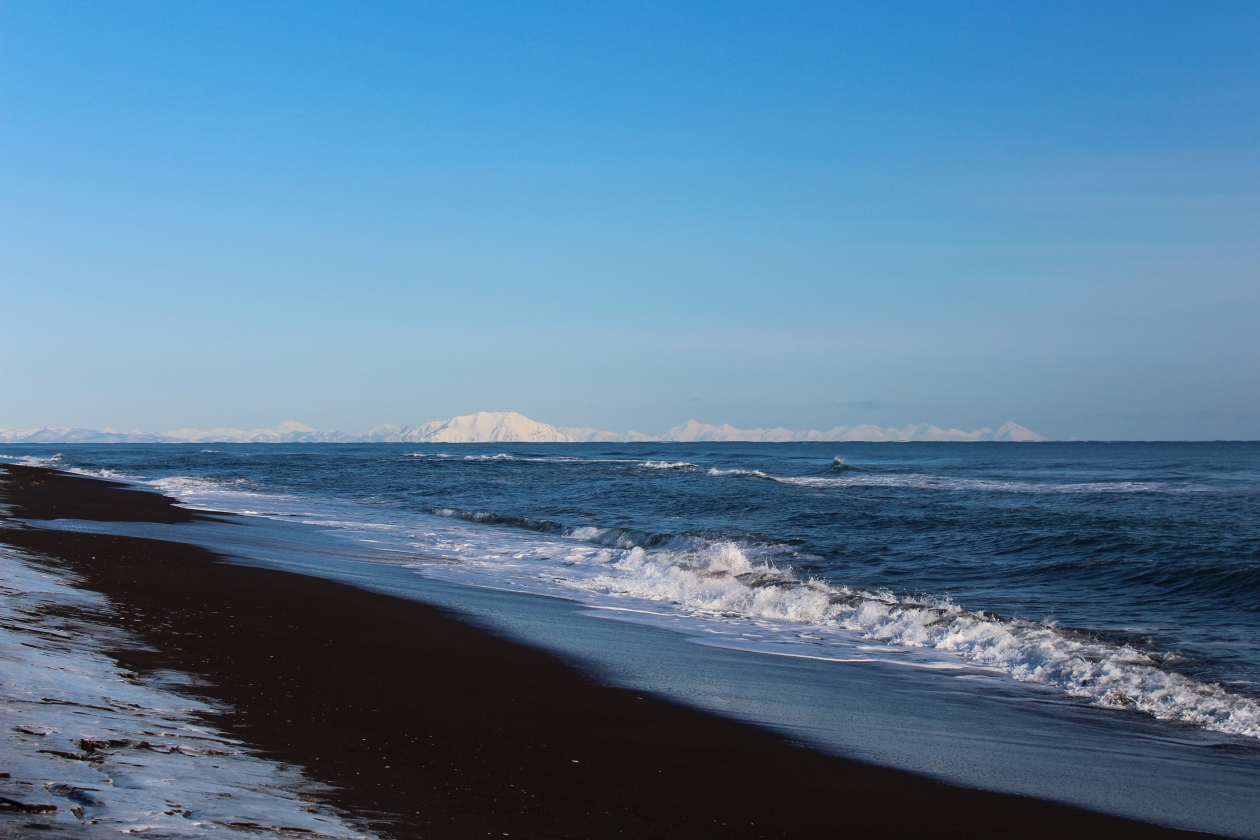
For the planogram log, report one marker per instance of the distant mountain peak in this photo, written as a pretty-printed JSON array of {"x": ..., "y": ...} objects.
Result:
[{"x": 1014, "y": 431}]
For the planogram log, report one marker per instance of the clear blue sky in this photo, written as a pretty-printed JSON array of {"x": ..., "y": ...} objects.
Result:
[{"x": 624, "y": 215}]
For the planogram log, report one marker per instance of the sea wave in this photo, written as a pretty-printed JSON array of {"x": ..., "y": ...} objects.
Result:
[
  {"x": 669, "y": 465},
  {"x": 485, "y": 517},
  {"x": 934, "y": 482},
  {"x": 525, "y": 459},
  {"x": 717, "y": 473},
  {"x": 178, "y": 485},
  {"x": 104, "y": 472},
  {"x": 745, "y": 580},
  {"x": 33, "y": 460},
  {"x": 862, "y": 477},
  {"x": 612, "y": 537},
  {"x": 720, "y": 579},
  {"x": 839, "y": 465}
]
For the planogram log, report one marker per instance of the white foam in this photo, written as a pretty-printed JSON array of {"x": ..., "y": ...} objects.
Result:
[
  {"x": 101, "y": 473},
  {"x": 525, "y": 459},
  {"x": 936, "y": 482},
  {"x": 240, "y": 495},
  {"x": 716, "y": 473},
  {"x": 165, "y": 772},
  {"x": 721, "y": 580},
  {"x": 669, "y": 465},
  {"x": 33, "y": 460}
]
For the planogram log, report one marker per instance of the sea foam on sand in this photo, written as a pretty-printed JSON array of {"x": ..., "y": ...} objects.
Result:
[{"x": 116, "y": 753}]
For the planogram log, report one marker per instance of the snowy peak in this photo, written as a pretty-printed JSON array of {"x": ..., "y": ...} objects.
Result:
[
  {"x": 287, "y": 432},
  {"x": 1016, "y": 432},
  {"x": 598, "y": 436},
  {"x": 68, "y": 435},
  {"x": 694, "y": 431},
  {"x": 485, "y": 427}
]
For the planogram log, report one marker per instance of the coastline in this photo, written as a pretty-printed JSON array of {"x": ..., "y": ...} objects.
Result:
[{"x": 429, "y": 727}]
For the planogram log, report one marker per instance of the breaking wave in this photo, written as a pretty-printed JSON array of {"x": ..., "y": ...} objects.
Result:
[
  {"x": 484, "y": 517},
  {"x": 851, "y": 476},
  {"x": 935, "y": 482},
  {"x": 180, "y": 485},
  {"x": 612, "y": 537},
  {"x": 524, "y": 459},
  {"x": 669, "y": 465},
  {"x": 720, "y": 579},
  {"x": 716, "y": 473},
  {"x": 101, "y": 473},
  {"x": 741, "y": 580},
  {"x": 33, "y": 460}
]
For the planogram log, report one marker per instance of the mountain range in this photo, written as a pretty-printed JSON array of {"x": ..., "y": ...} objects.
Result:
[{"x": 510, "y": 427}]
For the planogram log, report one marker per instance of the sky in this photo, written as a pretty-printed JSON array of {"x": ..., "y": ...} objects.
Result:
[{"x": 627, "y": 215}]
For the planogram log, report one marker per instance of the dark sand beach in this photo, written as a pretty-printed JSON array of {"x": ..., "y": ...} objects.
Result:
[{"x": 426, "y": 726}]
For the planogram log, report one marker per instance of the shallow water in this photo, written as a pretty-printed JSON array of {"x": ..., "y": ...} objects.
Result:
[{"x": 1078, "y": 588}]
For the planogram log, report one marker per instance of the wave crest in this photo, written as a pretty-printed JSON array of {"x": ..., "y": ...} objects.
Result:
[
  {"x": 719, "y": 579},
  {"x": 485, "y": 517},
  {"x": 716, "y": 473},
  {"x": 851, "y": 476}
]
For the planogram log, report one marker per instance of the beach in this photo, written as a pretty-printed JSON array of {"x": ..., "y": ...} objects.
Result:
[{"x": 420, "y": 725}]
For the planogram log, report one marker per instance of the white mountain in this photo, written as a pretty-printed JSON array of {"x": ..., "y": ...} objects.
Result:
[
  {"x": 68, "y": 435},
  {"x": 693, "y": 431},
  {"x": 598, "y": 436},
  {"x": 1016, "y": 432},
  {"x": 510, "y": 427},
  {"x": 485, "y": 427},
  {"x": 288, "y": 432}
]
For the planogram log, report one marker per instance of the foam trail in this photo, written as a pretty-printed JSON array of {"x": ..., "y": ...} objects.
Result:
[
  {"x": 716, "y": 473},
  {"x": 857, "y": 477}
]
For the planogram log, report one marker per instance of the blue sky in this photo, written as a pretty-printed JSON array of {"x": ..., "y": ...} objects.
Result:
[{"x": 628, "y": 215}]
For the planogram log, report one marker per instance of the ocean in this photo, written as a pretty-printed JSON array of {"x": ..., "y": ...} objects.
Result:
[{"x": 1079, "y": 621}]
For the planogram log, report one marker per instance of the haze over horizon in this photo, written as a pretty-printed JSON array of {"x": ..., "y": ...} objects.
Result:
[
  {"x": 803, "y": 215},
  {"x": 513, "y": 427}
]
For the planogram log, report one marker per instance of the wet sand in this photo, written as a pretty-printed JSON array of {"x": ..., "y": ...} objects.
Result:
[{"x": 429, "y": 727}]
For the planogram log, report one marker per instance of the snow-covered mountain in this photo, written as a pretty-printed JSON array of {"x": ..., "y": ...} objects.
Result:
[
  {"x": 510, "y": 427},
  {"x": 482, "y": 427},
  {"x": 693, "y": 431},
  {"x": 597, "y": 436},
  {"x": 67, "y": 435},
  {"x": 289, "y": 432}
]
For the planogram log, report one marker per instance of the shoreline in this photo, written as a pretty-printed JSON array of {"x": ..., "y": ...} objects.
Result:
[{"x": 429, "y": 727}]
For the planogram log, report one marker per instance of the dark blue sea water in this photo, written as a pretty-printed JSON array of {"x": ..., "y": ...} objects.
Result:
[{"x": 1120, "y": 581}]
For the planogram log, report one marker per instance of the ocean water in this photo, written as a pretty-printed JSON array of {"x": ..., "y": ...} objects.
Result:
[{"x": 1117, "y": 585}]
